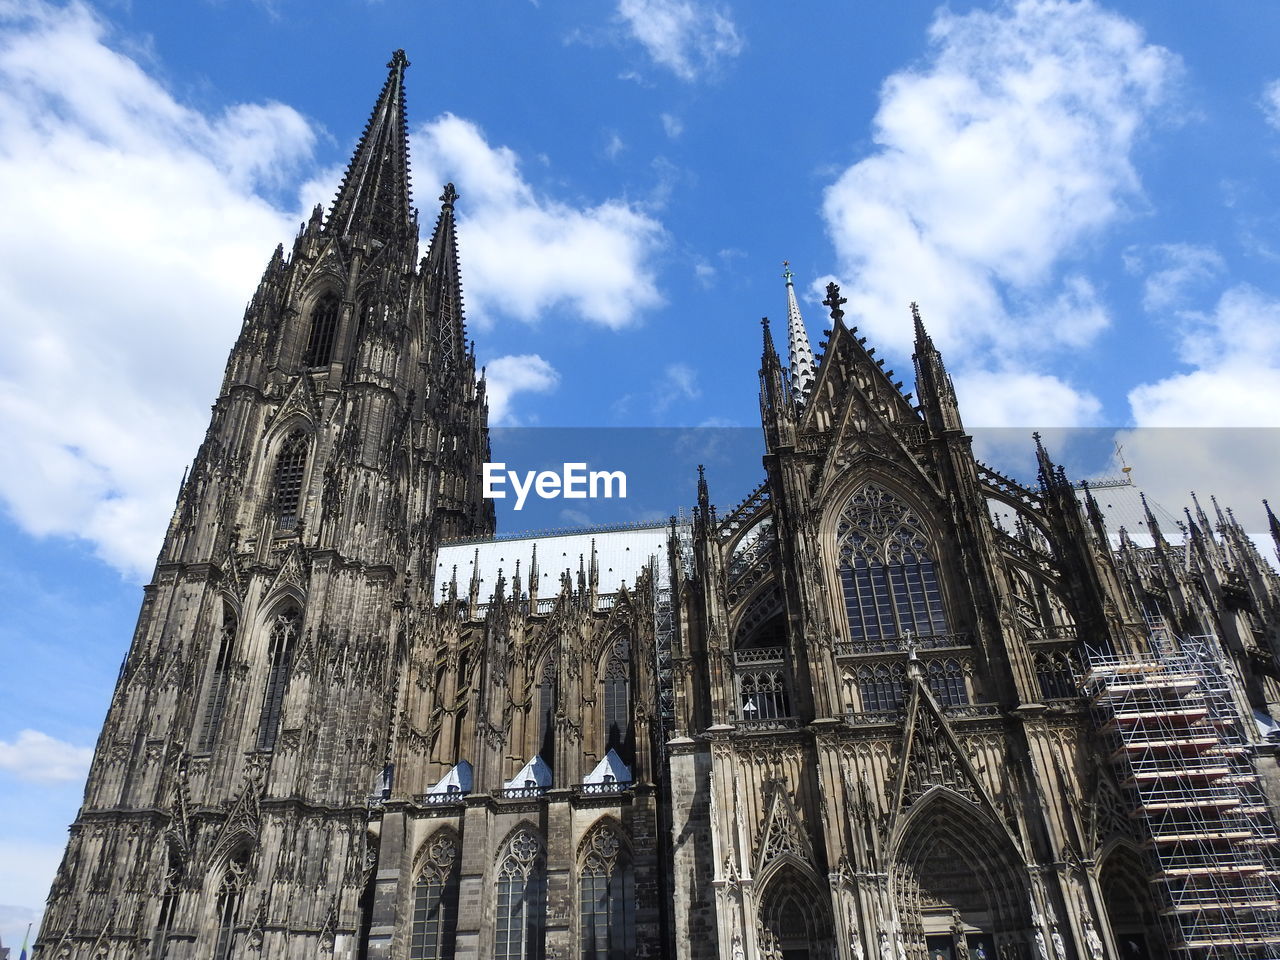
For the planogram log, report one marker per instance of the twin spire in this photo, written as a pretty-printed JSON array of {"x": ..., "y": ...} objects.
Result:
[
  {"x": 802, "y": 361},
  {"x": 373, "y": 202}
]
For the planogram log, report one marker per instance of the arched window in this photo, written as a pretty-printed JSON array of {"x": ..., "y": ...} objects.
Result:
[
  {"x": 324, "y": 327},
  {"x": 291, "y": 464},
  {"x": 216, "y": 696},
  {"x": 168, "y": 903},
  {"x": 284, "y": 634},
  {"x": 886, "y": 569},
  {"x": 764, "y": 695},
  {"x": 546, "y": 707},
  {"x": 435, "y": 902},
  {"x": 881, "y": 686},
  {"x": 227, "y": 903},
  {"x": 615, "y": 680},
  {"x": 606, "y": 899},
  {"x": 946, "y": 680},
  {"x": 522, "y": 900}
]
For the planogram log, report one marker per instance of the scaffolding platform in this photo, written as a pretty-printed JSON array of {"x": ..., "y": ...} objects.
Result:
[{"x": 1181, "y": 753}]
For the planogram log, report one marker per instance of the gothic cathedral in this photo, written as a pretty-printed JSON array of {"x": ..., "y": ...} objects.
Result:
[{"x": 893, "y": 706}]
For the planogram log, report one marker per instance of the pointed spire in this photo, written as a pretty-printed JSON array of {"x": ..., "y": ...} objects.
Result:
[
  {"x": 1153, "y": 525},
  {"x": 373, "y": 201},
  {"x": 444, "y": 283},
  {"x": 933, "y": 383},
  {"x": 802, "y": 363},
  {"x": 1274, "y": 524}
]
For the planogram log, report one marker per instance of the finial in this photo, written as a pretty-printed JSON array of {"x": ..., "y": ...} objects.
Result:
[
  {"x": 449, "y": 195},
  {"x": 834, "y": 300},
  {"x": 398, "y": 59},
  {"x": 786, "y": 271}
]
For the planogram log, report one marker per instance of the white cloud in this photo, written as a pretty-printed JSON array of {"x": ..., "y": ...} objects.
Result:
[
  {"x": 614, "y": 147},
  {"x": 131, "y": 239},
  {"x": 672, "y": 125},
  {"x": 1235, "y": 350},
  {"x": 1176, "y": 270},
  {"x": 509, "y": 375},
  {"x": 524, "y": 254},
  {"x": 688, "y": 37},
  {"x": 679, "y": 383},
  {"x": 1271, "y": 103},
  {"x": 997, "y": 160},
  {"x": 1013, "y": 398},
  {"x": 40, "y": 758}
]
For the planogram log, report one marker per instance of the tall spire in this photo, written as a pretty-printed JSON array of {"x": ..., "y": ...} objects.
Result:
[
  {"x": 373, "y": 201},
  {"x": 1274, "y": 524},
  {"x": 802, "y": 363},
  {"x": 444, "y": 282}
]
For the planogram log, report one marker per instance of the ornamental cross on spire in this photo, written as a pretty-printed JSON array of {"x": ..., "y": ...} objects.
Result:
[
  {"x": 834, "y": 300},
  {"x": 449, "y": 195},
  {"x": 786, "y": 271},
  {"x": 398, "y": 59}
]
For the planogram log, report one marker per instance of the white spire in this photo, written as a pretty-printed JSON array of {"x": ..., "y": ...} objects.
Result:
[{"x": 802, "y": 363}]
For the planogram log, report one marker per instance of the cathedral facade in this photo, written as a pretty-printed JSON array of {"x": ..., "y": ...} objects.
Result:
[{"x": 893, "y": 706}]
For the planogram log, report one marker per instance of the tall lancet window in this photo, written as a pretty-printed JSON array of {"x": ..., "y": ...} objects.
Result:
[
  {"x": 215, "y": 701},
  {"x": 522, "y": 900},
  {"x": 435, "y": 902},
  {"x": 227, "y": 904},
  {"x": 168, "y": 903},
  {"x": 284, "y": 635},
  {"x": 606, "y": 899},
  {"x": 291, "y": 464},
  {"x": 324, "y": 327},
  {"x": 616, "y": 682},
  {"x": 887, "y": 569},
  {"x": 546, "y": 707}
]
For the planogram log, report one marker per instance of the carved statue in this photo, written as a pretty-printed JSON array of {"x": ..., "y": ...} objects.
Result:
[{"x": 1092, "y": 940}]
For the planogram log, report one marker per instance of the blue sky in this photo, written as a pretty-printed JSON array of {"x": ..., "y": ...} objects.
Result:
[{"x": 1081, "y": 196}]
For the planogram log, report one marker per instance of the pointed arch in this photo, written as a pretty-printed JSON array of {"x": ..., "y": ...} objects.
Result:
[
  {"x": 794, "y": 922},
  {"x": 286, "y": 481},
  {"x": 606, "y": 894},
  {"x": 282, "y": 643},
  {"x": 435, "y": 897},
  {"x": 887, "y": 567},
  {"x": 544, "y": 702},
  {"x": 219, "y": 681},
  {"x": 1126, "y": 894},
  {"x": 614, "y": 671},
  {"x": 951, "y": 860},
  {"x": 519, "y": 930},
  {"x": 322, "y": 330},
  {"x": 228, "y": 902}
]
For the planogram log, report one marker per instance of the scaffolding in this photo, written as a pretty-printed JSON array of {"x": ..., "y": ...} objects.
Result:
[{"x": 1182, "y": 755}]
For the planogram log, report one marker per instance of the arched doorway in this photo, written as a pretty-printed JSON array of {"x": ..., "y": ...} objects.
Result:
[
  {"x": 794, "y": 921},
  {"x": 1126, "y": 894},
  {"x": 960, "y": 886}
]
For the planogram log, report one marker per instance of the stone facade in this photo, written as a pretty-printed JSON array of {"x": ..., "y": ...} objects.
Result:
[{"x": 844, "y": 720}]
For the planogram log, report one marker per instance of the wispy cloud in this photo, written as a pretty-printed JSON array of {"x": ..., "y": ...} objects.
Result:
[
  {"x": 688, "y": 37},
  {"x": 1271, "y": 103},
  {"x": 40, "y": 758}
]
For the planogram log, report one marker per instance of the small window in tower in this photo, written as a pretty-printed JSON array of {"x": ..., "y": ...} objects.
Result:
[
  {"x": 291, "y": 464},
  {"x": 324, "y": 327}
]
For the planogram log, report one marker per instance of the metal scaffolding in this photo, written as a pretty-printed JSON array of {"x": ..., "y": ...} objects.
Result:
[{"x": 1182, "y": 754}]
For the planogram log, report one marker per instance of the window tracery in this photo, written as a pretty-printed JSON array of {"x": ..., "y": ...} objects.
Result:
[
  {"x": 291, "y": 464},
  {"x": 763, "y": 694},
  {"x": 887, "y": 572},
  {"x": 227, "y": 903},
  {"x": 1058, "y": 673},
  {"x": 946, "y": 681},
  {"x": 606, "y": 891},
  {"x": 324, "y": 327},
  {"x": 522, "y": 900},
  {"x": 616, "y": 682},
  {"x": 435, "y": 902},
  {"x": 219, "y": 681},
  {"x": 284, "y": 634},
  {"x": 881, "y": 686}
]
